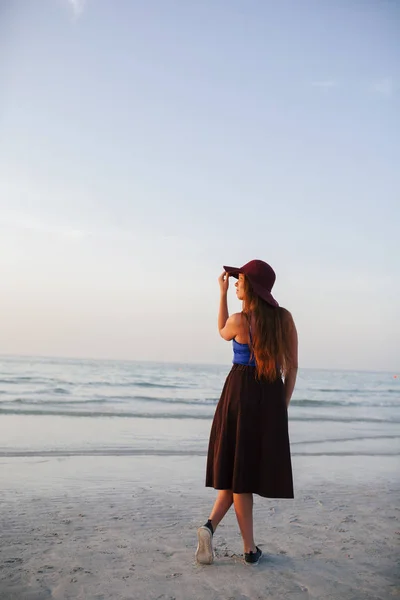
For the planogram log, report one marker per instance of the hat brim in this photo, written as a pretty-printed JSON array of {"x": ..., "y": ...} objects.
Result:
[
  {"x": 234, "y": 271},
  {"x": 259, "y": 290},
  {"x": 264, "y": 294}
]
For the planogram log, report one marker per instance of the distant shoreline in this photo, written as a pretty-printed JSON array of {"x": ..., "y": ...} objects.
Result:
[{"x": 76, "y": 359}]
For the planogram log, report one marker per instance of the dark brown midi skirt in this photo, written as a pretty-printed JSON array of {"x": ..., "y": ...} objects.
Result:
[{"x": 249, "y": 448}]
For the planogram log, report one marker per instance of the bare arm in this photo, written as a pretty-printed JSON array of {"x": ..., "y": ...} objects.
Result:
[
  {"x": 291, "y": 374},
  {"x": 290, "y": 382},
  {"x": 223, "y": 314},
  {"x": 227, "y": 325}
]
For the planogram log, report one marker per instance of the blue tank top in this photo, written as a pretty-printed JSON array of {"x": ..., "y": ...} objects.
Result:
[{"x": 242, "y": 353}]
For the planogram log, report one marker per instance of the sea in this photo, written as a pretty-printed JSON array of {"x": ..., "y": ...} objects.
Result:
[{"x": 60, "y": 408}]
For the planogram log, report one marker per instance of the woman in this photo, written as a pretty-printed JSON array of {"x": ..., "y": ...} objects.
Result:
[{"x": 249, "y": 450}]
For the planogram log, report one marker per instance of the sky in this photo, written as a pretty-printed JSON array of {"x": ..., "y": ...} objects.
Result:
[{"x": 143, "y": 145}]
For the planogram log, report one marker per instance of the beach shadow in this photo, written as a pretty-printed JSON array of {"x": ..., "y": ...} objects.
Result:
[{"x": 281, "y": 562}]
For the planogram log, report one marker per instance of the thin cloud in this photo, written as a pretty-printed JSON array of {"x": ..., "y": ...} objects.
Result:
[
  {"x": 384, "y": 86},
  {"x": 77, "y": 7}
]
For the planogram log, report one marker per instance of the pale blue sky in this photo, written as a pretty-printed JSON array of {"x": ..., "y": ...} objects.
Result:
[{"x": 145, "y": 144}]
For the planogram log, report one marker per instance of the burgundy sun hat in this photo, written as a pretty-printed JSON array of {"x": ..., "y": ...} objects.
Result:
[{"x": 261, "y": 276}]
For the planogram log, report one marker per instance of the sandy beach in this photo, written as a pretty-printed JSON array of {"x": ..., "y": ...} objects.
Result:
[{"x": 99, "y": 528}]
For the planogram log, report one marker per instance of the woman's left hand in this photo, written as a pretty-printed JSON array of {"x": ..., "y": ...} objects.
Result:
[{"x": 223, "y": 281}]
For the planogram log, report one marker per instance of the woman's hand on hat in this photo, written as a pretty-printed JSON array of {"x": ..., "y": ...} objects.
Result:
[{"x": 223, "y": 281}]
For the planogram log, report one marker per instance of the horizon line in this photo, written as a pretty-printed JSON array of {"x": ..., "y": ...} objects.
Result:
[{"x": 173, "y": 362}]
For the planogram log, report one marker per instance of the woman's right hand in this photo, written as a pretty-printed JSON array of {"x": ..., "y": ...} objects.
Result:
[{"x": 223, "y": 281}]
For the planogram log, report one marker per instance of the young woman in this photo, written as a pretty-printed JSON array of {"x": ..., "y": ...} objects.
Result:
[{"x": 249, "y": 450}]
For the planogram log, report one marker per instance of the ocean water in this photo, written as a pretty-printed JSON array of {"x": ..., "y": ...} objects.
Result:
[{"x": 54, "y": 407}]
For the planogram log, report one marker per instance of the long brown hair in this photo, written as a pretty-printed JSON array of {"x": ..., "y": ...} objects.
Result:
[{"x": 270, "y": 334}]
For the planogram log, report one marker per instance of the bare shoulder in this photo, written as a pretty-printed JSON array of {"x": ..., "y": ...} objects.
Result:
[
  {"x": 235, "y": 321},
  {"x": 287, "y": 317},
  {"x": 236, "y": 318},
  {"x": 232, "y": 326},
  {"x": 286, "y": 314}
]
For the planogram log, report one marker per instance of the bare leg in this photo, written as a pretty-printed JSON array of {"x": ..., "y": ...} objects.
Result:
[
  {"x": 244, "y": 514},
  {"x": 205, "y": 553},
  {"x": 221, "y": 506}
]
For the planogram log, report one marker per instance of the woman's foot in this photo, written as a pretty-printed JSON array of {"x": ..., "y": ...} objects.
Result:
[
  {"x": 252, "y": 558},
  {"x": 205, "y": 553}
]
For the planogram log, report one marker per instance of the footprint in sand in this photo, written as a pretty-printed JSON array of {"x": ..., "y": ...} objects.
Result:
[
  {"x": 46, "y": 568},
  {"x": 349, "y": 519},
  {"x": 76, "y": 569},
  {"x": 13, "y": 560}
]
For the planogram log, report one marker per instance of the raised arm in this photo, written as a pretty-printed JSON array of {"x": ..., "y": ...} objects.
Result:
[{"x": 227, "y": 325}]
